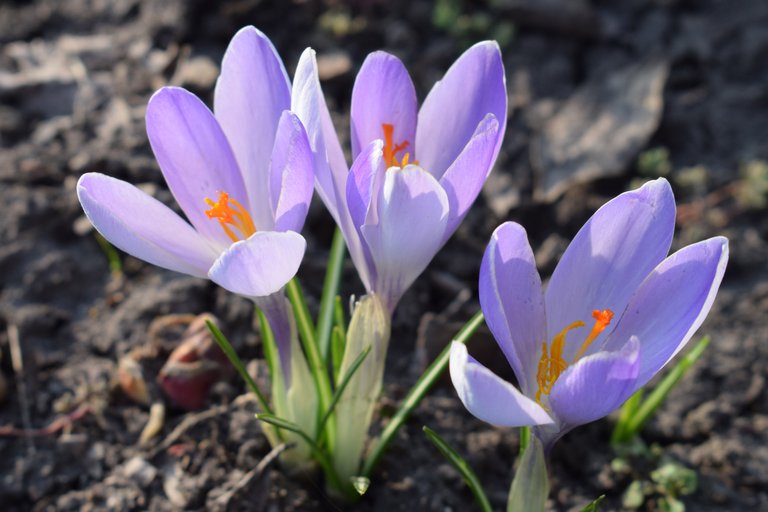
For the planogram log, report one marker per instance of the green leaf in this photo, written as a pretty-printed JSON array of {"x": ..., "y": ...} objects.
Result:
[
  {"x": 342, "y": 386},
  {"x": 417, "y": 392},
  {"x": 676, "y": 480},
  {"x": 595, "y": 505},
  {"x": 338, "y": 342},
  {"x": 320, "y": 456},
  {"x": 626, "y": 413},
  {"x": 229, "y": 351},
  {"x": 316, "y": 363},
  {"x": 113, "y": 257},
  {"x": 325, "y": 316},
  {"x": 644, "y": 412},
  {"x": 634, "y": 496},
  {"x": 462, "y": 467}
]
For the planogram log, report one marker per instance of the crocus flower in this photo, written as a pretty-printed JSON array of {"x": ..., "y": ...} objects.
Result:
[
  {"x": 242, "y": 177},
  {"x": 415, "y": 172},
  {"x": 643, "y": 307}
]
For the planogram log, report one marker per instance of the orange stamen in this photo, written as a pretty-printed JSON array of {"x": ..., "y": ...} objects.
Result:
[
  {"x": 231, "y": 214},
  {"x": 552, "y": 365},
  {"x": 391, "y": 149},
  {"x": 602, "y": 319}
]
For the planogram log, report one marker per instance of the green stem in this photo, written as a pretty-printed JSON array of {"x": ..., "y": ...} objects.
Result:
[
  {"x": 316, "y": 363},
  {"x": 525, "y": 438},
  {"x": 417, "y": 392},
  {"x": 330, "y": 289}
]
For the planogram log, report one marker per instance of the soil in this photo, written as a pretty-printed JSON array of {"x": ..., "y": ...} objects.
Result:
[{"x": 684, "y": 79}]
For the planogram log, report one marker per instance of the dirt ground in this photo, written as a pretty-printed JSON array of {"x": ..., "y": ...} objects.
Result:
[{"x": 603, "y": 94}]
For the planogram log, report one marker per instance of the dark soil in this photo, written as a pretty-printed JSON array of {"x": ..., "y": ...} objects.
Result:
[{"x": 689, "y": 77}]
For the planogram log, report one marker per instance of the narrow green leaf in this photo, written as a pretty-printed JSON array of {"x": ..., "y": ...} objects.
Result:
[
  {"x": 417, "y": 392},
  {"x": 316, "y": 363},
  {"x": 342, "y": 386},
  {"x": 330, "y": 289},
  {"x": 113, "y": 257},
  {"x": 338, "y": 342},
  {"x": 320, "y": 456},
  {"x": 268, "y": 343},
  {"x": 229, "y": 351},
  {"x": 626, "y": 413},
  {"x": 339, "y": 318},
  {"x": 656, "y": 397},
  {"x": 595, "y": 505},
  {"x": 469, "y": 476}
]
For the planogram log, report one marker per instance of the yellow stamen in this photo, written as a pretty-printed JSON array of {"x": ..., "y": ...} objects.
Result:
[
  {"x": 552, "y": 365},
  {"x": 391, "y": 149},
  {"x": 231, "y": 214}
]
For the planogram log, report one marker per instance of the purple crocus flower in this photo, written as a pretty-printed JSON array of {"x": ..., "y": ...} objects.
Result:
[
  {"x": 616, "y": 275},
  {"x": 415, "y": 172},
  {"x": 242, "y": 177}
]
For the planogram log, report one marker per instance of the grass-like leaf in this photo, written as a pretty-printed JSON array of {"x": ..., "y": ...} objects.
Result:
[
  {"x": 229, "y": 351},
  {"x": 318, "y": 453},
  {"x": 417, "y": 392},
  {"x": 595, "y": 505},
  {"x": 469, "y": 476},
  {"x": 644, "y": 411},
  {"x": 325, "y": 317},
  {"x": 316, "y": 363},
  {"x": 342, "y": 386}
]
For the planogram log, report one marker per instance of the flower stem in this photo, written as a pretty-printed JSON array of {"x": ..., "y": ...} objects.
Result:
[{"x": 417, "y": 392}]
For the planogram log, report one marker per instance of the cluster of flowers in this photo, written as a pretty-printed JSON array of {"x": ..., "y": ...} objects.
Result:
[{"x": 244, "y": 175}]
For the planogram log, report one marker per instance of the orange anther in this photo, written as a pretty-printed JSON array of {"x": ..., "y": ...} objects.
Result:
[
  {"x": 231, "y": 214},
  {"x": 391, "y": 149}
]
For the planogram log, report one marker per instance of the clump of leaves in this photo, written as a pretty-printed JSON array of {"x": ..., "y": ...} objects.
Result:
[
  {"x": 452, "y": 17},
  {"x": 654, "y": 163},
  {"x": 753, "y": 192},
  {"x": 655, "y": 478}
]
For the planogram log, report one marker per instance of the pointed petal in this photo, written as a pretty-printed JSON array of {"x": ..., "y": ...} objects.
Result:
[
  {"x": 308, "y": 103},
  {"x": 194, "y": 156},
  {"x": 489, "y": 397},
  {"x": 413, "y": 210},
  {"x": 512, "y": 300},
  {"x": 671, "y": 304},
  {"x": 260, "y": 265},
  {"x": 596, "y": 385},
  {"x": 331, "y": 170},
  {"x": 383, "y": 93},
  {"x": 609, "y": 258},
  {"x": 251, "y": 93},
  {"x": 143, "y": 226},
  {"x": 366, "y": 178},
  {"x": 292, "y": 177},
  {"x": 465, "y": 177},
  {"x": 473, "y": 87}
]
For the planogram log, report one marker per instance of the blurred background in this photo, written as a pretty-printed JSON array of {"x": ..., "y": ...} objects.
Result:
[{"x": 603, "y": 95}]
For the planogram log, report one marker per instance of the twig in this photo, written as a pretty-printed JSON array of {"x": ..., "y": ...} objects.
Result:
[
  {"x": 17, "y": 361},
  {"x": 193, "y": 419},
  {"x": 222, "y": 502},
  {"x": 53, "y": 427}
]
